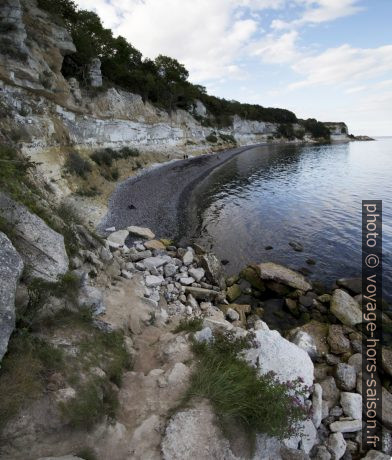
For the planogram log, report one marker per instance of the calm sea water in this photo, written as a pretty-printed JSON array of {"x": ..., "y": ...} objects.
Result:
[{"x": 271, "y": 195}]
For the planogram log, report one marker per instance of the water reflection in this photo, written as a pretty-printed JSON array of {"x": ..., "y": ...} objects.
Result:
[{"x": 271, "y": 195}]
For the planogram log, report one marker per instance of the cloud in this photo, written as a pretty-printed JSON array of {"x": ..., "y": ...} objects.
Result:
[
  {"x": 316, "y": 12},
  {"x": 344, "y": 64},
  {"x": 263, "y": 4},
  {"x": 208, "y": 36},
  {"x": 277, "y": 50},
  {"x": 212, "y": 37},
  {"x": 356, "y": 89},
  {"x": 329, "y": 10}
]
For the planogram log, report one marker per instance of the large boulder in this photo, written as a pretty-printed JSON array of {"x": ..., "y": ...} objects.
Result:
[
  {"x": 11, "y": 266},
  {"x": 42, "y": 249},
  {"x": 285, "y": 359},
  {"x": 345, "y": 308},
  {"x": 270, "y": 271},
  {"x": 118, "y": 238},
  {"x": 213, "y": 269},
  {"x": 142, "y": 232}
]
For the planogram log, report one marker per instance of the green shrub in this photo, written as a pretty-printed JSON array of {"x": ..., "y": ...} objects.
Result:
[
  {"x": 77, "y": 165},
  {"x": 16, "y": 181},
  {"x": 189, "y": 325},
  {"x": 103, "y": 157},
  {"x": 317, "y": 129},
  {"x": 211, "y": 138},
  {"x": 127, "y": 152},
  {"x": 115, "y": 174},
  {"x": 286, "y": 130},
  {"x": 227, "y": 138},
  {"x": 237, "y": 393}
]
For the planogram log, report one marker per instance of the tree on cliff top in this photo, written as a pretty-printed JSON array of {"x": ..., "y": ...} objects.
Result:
[{"x": 164, "y": 81}]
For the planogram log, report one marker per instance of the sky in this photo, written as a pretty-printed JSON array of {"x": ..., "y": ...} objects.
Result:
[{"x": 327, "y": 59}]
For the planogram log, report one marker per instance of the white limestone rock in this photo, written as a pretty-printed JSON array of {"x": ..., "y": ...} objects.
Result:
[
  {"x": 270, "y": 271},
  {"x": 41, "y": 248},
  {"x": 345, "y": 308},
  {"x": 142, "y": 232},
  {"x": 351, "y": 404},
  {"x": 11, "y": 267},
  {"x": 285, "y": 359},
  {"x": 337, "y": 445}
]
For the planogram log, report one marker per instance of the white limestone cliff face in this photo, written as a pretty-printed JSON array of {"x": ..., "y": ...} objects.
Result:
[
  {"x": 44, "y": 112},
  {"x": 32, "y": 48},
  {"x": 339, "y": 132}
]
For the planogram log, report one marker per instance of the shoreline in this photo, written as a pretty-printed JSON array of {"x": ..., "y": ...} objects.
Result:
[{"x": 154, "y": 198}]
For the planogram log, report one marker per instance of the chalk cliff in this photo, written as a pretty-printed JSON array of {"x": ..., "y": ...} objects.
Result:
[{"x": 42, "y": 110}]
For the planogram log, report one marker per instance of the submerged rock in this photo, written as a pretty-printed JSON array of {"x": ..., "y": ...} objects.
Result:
[
  {"x": 354, "y": 285},
  {"x": 11, "y": 267},
  {"x": 250, "y": 274},
  {"x": 296, "y": 246},
  {"x": 270, "y": 271}
]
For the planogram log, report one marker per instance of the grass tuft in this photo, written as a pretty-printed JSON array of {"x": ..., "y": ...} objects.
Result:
[
  {"x": 237, "y": 393},
  {"x": 23, "y": 370},
  {"x": 189, "y": 325}
]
